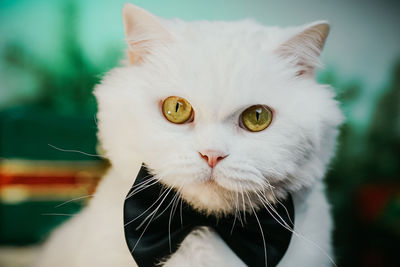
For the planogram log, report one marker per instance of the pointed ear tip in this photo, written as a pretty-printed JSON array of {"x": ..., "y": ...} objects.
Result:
[
  {"x": 323, "y": 26},
  {"x": 128, "y": 8},
  {"x": 129, "y": 5}
]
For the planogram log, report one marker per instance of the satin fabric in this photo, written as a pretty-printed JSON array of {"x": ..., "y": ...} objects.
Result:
[{"x": 154, "y": 226}]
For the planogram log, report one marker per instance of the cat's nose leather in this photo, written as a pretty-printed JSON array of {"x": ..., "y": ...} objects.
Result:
[{"x": 212, "y": 157}]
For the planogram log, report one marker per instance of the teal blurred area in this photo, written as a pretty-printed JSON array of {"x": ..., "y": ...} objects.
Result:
[{"x": 52, "y": 53}]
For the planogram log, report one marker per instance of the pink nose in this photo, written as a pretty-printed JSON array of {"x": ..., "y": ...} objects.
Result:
[{"x": 212, "y": 157}]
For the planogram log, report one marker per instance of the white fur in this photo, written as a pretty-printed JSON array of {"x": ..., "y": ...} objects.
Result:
[{"x": 221, "y": 68}]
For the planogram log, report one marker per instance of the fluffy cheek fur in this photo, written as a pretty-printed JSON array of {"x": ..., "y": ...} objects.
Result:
[{"x": 290, "y": 154}]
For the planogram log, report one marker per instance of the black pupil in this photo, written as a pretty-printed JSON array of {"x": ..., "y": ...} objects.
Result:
[
  {"x": 257, "y": 115},
  {"x": 176, "y": 106}
]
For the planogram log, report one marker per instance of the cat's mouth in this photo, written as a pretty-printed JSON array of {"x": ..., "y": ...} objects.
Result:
[{"x": 211, "y": 181}]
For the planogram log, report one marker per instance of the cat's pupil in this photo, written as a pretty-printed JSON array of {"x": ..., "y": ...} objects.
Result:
[
  {"x": 258, "y": 114},
  {"x": 177, "y": 106}
]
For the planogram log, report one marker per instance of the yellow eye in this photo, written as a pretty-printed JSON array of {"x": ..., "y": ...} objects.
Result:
[
  {"x": 177, "y": 109},
  {"x": 256, "y": 118}
]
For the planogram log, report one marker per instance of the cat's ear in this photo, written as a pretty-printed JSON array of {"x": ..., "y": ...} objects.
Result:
[
  {"x": 304, "y": 48},
  {"x": 142, "y": 32}
]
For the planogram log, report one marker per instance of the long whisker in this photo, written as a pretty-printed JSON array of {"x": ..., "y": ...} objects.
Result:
[
  {"x": 234, "y": 220},
  {"x": 237, "y": 205},
  {"x": 269, "y": 207},
  {"x": 76, "y": 151},
  {"x": 146, "y": 179},
  {"x": 284, "y": 207},
  {"x": 57, "y": 214},
  {"x": 140, "y": 187},
  {"x": 259, "y": 225},
  {"x": 169, "y": 204},
  {"x": 306, "y": 239},
  {"x": 179, "y": 190},
  {"x": 71, "y": 200},
  {"x": 153, "y": 213},
  {"x": 174, "y": 200},
  {"x": 181, "y": 200},
  {"x": 134, "y": 219},
  {"x": 265, "y": 202},
  {"x": 244, "y": 203}
]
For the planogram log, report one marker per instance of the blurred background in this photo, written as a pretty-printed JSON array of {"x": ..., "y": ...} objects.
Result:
[{"x": 53, "y": 52}]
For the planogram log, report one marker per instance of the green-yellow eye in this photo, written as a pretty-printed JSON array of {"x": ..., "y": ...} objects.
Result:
[
  {"x": 177, "y": 109},
  {"x": 256, "y": 118}
]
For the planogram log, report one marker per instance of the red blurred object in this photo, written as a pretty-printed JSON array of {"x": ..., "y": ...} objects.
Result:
[{"x": 373, "y": 199}]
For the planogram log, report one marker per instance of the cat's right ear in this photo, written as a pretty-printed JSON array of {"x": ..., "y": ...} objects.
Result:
[
  {"x": 305, "y": 47},
  {"x": 142, "y": 32}
]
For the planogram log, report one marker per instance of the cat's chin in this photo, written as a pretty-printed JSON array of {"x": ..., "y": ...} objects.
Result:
[{"x": 212, "y": 198}]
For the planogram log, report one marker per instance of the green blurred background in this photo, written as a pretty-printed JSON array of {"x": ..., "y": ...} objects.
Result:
[{"x": 53, "y": 52}]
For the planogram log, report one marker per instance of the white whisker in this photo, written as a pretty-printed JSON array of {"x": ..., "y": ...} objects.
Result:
[
  {"x": 76, "y": 151},
  {"x": 153, "y": 213},
  {"x": 175, "y": 198},
  {"x": 140, "y": 187},
  {"x": 259, "y": 225},
  {"x": 264, "y": 202},
  {"x": 71, "y": 200},
  {"x": 57, "y": 214},
  {"x": 134, "y": 219}
]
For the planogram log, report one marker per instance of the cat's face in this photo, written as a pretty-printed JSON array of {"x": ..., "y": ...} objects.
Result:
[{"x": 179, "y": 106}]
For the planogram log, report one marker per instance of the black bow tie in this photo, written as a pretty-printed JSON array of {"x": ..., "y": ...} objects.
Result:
[{"x": 154, "y": 226}]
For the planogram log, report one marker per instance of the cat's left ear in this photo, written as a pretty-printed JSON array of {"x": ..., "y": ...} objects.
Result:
[
  {"x": 304, "y": 48},
  {"x": 143, "y": 32}
]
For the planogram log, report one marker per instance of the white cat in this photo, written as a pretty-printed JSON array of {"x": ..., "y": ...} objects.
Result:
[{"x": 211, "y": 146}]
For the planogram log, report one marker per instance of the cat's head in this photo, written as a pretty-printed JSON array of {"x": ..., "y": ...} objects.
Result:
[{"x": 225, "y": 112}]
